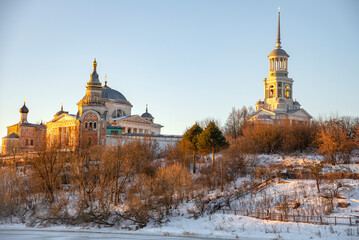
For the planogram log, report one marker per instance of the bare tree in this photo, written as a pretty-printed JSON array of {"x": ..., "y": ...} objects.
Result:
[
  {"x": 47, "y": 168},
  {"x": 315, "y": 169},
  {"x": 236, "y": 121}
]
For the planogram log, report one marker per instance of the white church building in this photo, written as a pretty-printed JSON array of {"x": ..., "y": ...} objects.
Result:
[{"x": 278, "y": 101}]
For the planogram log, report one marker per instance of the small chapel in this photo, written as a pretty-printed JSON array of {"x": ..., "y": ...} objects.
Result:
[{"x": 278, "y": 101}]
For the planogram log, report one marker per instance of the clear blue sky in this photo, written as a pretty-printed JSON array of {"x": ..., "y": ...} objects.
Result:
[{"x": 187, "y": 59}]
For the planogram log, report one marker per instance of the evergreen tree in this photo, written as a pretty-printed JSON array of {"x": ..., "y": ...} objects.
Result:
[
  {"x": 211, "y": 140},
  {"x": 190, "y": 138}
]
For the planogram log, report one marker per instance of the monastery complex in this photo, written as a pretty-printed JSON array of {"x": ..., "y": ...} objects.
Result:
[
  {"x": 104, "y": 115},
  {"x": 104, "y": 118}
]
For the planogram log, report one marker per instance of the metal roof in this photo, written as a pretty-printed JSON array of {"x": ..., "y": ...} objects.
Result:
[{"x": 110, "y": 93}]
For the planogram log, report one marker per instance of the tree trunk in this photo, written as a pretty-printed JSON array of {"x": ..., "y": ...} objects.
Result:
[
  {"x": 194, "y": 162},
  {"x": 212, "y": 157},
  {"x": 318, "y": 184}
]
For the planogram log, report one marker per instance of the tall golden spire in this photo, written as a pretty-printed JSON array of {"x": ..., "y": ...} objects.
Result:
[{"x": 278, "y": 44}]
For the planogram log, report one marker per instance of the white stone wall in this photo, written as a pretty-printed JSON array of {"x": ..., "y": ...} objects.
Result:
[{"x": 163, "y": 141}]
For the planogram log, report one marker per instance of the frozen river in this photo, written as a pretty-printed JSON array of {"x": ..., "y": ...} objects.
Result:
[{"x": 15, "y": 234}]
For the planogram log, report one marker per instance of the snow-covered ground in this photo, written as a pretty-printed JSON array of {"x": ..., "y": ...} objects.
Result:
[
  {"x": 300, "y": 159},
  {"x": 271, "y": 196},
  {"x": 234, "y": 226},
  {"x": 280, "y": 194},
  {"x": 216, "y": 226}
]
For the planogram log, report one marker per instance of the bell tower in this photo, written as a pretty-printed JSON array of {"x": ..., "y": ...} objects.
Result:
[{"x": 278, "y": 87}]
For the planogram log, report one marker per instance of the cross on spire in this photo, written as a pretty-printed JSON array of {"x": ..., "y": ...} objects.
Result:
[
  {"x": 278, "y": 44},
  {"x": 94, "y": 64}
]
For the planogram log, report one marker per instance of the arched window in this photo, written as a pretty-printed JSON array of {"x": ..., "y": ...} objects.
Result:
[
  {"x": 287, "y": 91},
  {"x": 94, "y": 125},
  {"x": 90, "y": 125},
  {"x": 271, "y": 91},
  {"x": 86, "y": 125},
  {"x": 118, "y": 113}
]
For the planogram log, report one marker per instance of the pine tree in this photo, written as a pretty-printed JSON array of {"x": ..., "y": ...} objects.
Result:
[
  {"x": 211, "y": 140},
  {"x": 191, "y": 137}
]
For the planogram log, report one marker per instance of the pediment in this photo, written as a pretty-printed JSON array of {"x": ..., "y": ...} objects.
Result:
[
  {"x": 263, "y": 111},
  {"x": 302, "y": 113},
  {"x": 63, "y": 118}
]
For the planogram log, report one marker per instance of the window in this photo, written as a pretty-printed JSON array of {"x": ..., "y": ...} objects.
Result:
[
  {"x": 271, "y": 91},
  {"x": 118, "y": 113},
  {"x": 86, "y": 125},
  {"x": 31, "y": 142},
  {"x": 287, "y": 91},
  {"x": 114, "y": 132},
  {"x": 90, "y": 125},
  {"x": 94, "y": 125}
]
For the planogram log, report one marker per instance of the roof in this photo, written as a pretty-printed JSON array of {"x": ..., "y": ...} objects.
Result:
[
  {"x": 24, "y": 109},
  {"x": 12, "y": 135},
  {"x": 110, "y": 93},
  {"x": 278, "y": 52},
  {"x": 147, "y": 115},
  {"x": 62, "y": 116},
  {"x": 274, "y": 113},
  {"x": 109, "y": 126},
  {"x": 59, "y": 113},
  {"x": 41, "y": 126},
  {"x": 157, "y": 125},
  {"x": 120, "y": 118}
]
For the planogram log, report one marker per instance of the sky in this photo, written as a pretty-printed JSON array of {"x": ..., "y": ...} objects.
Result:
[{"x": 188, "y": 60}]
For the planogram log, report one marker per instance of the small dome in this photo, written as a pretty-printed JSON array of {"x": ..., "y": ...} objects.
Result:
[
  {"x": 110, "y": 93},
  {"x": 296, "y": 103},
  {"x": 278, "y": 52},
  {"x": 59, "y": 113},
  {"x": 24, "y": 109},
  {"x": 147, "y": 115}
]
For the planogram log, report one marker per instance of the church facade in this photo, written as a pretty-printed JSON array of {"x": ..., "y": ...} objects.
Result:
[
  {"x": 278, "y": 101},
  {"x": 23, "y": 137},
  {"x": 104, "y": 117}
]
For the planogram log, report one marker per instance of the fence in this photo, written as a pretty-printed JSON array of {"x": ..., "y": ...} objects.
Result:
[{"x": 324, "y": 220}]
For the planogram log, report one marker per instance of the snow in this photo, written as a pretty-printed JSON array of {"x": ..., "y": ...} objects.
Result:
[
  {"x": 216, "y": 226},
  {"x": 234, "y": 226},
  {"x": 230, "y": 226},
  {"x": 298, "y": 160}
]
